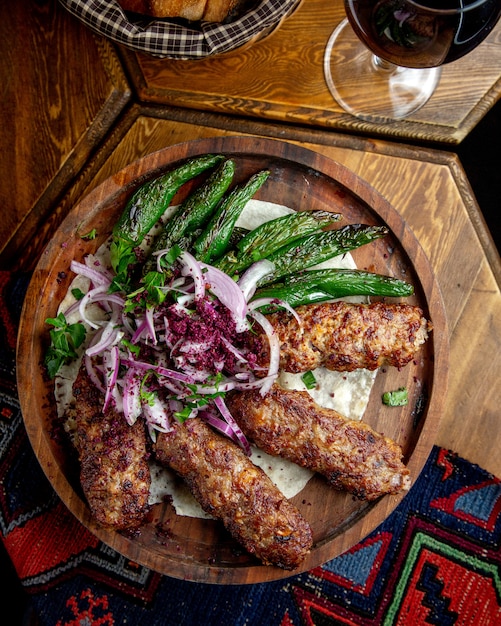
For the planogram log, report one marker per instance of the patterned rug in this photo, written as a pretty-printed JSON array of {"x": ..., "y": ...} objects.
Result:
[{"x": 436, "y": 560}]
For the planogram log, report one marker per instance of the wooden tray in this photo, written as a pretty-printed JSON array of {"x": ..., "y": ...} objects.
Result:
[{"x": 201, "y": 550}]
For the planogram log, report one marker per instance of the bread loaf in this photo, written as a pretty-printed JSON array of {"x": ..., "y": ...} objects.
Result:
[{"x": 193, "y": 10}]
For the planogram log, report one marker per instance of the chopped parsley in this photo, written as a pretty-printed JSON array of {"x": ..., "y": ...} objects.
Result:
[
  {"x": 65, "y": 339},
  {"x": 399, "y": 397},
  {"x": 309, "y": 380},
  {"x": 78, "y": 294},
  {"x": 92, "y": 234}
]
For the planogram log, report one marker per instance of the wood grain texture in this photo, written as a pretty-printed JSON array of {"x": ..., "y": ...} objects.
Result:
[
  {"x": 301, "y": 179},
  {"x": 50, "y": 125},
  {"x": 281, "y": 78}
]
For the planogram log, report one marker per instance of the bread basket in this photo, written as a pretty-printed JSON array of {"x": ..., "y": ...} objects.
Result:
[{"x": 180, "y": 39}]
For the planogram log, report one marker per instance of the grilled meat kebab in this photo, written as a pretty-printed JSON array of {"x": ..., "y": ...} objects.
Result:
[
  {"x": 350, "y": 454},
  {"x": 344, "y": 336},
  {"x": 340, "y": 336},
  {"x": 114, "y": 472},
  {"x": 231, "y": 488}
]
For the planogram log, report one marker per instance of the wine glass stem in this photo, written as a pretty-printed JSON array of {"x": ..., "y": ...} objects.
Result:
[{"x": 381, "y": 64}]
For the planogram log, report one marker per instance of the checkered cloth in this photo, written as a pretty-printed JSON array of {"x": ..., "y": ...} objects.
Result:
[{"x": 171, "y": 39}]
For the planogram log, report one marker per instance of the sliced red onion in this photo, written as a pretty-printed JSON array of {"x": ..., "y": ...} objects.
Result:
[
  {"x": 151, "y": 325},
  {"x": 256, "y": 383},
  {"x": 88, "y": 299},
  {"x": 220, "y": 425},
  {"x": 179, "y": 284},
  {"x": 186, "y": 300},
  {"x": 229, "y": 294},
  {"x": 235, "y": 351},
  {"x": 97, "y": 277},
  {"x": 170, "y": 373},
  {"x": 209, "y": 390},
  {"x": 157, "y": 417},
  {"x": 116, "y": 394},
  {"x": 72, "y": 308},
  {"x": 160, "y": 370},
  {"x": 274, "y": 350},
  {"x": 113, "y": 298},
  {"x": 197, "y": 375},
  {"x": 249, "y": 279},
  {"x": 107, "y": 337},
  {"x": 191, "y": 346},
  {"x": 131, "y": 396},
  {"x": 142, "y": 365},
  {"x": 160, "y": 254},
  {"x": 168, "y": 336},
  {"x": 242, "y": 376},
  {"x": 191, "y": 267},
  {"x": 180, "y": 309},
  {"x": 111, "y": 362},
  {"x": 257, "y": 304},
  {"x": 175, "y": 406},
  {"x": 145, "y": 330},
  {"x": 93, "y": 374},
  {"x": 235, "y": 428},
  {"x": 127, "y": 324}
]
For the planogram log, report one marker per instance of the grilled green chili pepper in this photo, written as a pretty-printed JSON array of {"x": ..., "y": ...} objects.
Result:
[
  {"x": 214, "y": 240},
  {"x": 314, "y": 286},
  {"x": 194, "y": 212},
  {"x": 399, "y": 397},
  {"x": 318, "y": 247},
  {"x": 148, "y": 203},
  {"x": 145, "y": 208},
  {"x": 272, "y": 235}
]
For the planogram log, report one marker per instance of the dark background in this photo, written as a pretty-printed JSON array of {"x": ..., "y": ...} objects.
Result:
[{"x": 480, "y": 154}]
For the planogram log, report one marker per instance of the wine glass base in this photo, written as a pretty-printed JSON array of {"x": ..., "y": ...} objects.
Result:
[{"x": 370, "y": 88}]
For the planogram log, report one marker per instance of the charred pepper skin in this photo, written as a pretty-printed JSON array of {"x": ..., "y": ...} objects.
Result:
[
  {"x": 215, "y": 238},
  {"x": 265, "y": 239},
  {"x": 149, "y": 202},
  {"x": 144, "y": 209},
  {"x": 315, "y": 248},
  {"x": 316, "y": 286},
  {"x": 195, "y": 211}
]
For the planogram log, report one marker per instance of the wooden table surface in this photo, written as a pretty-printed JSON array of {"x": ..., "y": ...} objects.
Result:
[
  {"x": 281, "y": 78},
  {"x": 69, "y": 121}
]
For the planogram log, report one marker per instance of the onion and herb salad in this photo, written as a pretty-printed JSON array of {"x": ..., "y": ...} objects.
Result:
[{"x": 160, "y": 313}]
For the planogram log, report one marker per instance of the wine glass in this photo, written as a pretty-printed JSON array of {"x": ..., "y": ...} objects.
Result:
[{"x": 384, "y": 61}]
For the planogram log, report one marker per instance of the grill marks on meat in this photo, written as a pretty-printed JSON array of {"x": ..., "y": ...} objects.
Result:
[
  {"x": 343, "y": 336},
  {"x": 350, "y": 454},
  {"x": 230, "y": 487},
  {"x": 114, "y": 472}
]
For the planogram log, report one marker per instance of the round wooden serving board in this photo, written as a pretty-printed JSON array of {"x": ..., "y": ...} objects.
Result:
[{"x": 202, "y": 550}]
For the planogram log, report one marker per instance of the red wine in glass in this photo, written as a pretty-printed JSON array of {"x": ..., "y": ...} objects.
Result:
[
  {"x": 384, "y": 61},
  {"x": 408, "y": 34}
]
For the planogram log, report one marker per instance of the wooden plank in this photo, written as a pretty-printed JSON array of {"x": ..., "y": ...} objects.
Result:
[
  {"x": 281, "y": 78},
  {"x": 63, "y": 88}
]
